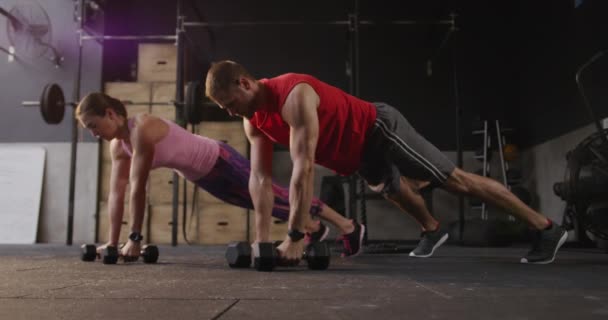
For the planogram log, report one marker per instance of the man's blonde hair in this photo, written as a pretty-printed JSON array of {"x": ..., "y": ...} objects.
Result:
[{"x": 222, "y": 76}]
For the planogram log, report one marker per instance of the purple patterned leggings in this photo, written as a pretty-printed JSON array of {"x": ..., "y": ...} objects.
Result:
[{"x": 229, "y": 181}]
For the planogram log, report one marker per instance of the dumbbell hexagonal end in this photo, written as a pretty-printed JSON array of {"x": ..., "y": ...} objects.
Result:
[
  {"x": 265, "y": 256},
  {"x": 238, "y": 255},
  {"x": 149, "y": 253},
  {"x": 318, "y": 256},
  {"x": 88, "y": 252},
  {"x": 109, "y": 255}
]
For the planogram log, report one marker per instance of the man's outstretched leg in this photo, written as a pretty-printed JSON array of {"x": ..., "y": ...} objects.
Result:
[{"x": 550, "y": 236}]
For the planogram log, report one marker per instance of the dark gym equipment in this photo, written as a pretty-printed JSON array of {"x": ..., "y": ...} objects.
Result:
[
  {"x": 110, "y": 254},
  {"x": 238, "y": 255},
  {"x": 266, "y": 255},
  {"x": 522, "y": 193},
  {"x": 479, "y": 154},
  {"x": 89, "y": 252},
  {"x": 513, "y": 176},
  {"x": 149, "y": 253},
  {"x": 317, "y": 255},
  {"x": 510, "y": 152},
  {"x": 52, "y": 103},
  {"x": 193, "y": 108},
  {"x": 585, "y": 183}
]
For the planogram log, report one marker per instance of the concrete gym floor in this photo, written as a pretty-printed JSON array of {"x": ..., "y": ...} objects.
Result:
[{"x": 193, "y": 282}]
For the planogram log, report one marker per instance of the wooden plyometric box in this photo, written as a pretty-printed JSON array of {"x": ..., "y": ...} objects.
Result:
[
  {"x": 131, "y": 91},
  {"x": 162, "y": 93},
  {"x": 278, "y": 228},
  {"x": 135, "y": 110},
  {"x": 221, "y": 223},
  {"x": 156, "y": 62},
  {"x": 160, "y": 187},
  {"x": 230, "y": 132},
  {"x": 161, "y": 227}
]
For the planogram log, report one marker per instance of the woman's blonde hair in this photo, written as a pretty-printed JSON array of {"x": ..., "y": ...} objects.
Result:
[{"x": 96, "y": 104}]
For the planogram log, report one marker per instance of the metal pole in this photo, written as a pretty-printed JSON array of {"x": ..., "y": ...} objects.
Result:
[
  {"x": 199, "y": 24},
  {"x": 74, "y": 137},
  {"x": 459, "y": 154},
  {"x": 131, "y": 37},
  {"x": 179, "y": 96}
]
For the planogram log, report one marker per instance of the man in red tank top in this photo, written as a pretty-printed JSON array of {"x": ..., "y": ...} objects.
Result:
[{"x": 323, "y": 124}]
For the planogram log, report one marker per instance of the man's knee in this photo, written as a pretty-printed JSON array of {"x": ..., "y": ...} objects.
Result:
[{"x": 460, "y": 181}]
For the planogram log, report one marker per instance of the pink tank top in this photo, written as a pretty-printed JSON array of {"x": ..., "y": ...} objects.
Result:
[{"x": 191, "y": 155}]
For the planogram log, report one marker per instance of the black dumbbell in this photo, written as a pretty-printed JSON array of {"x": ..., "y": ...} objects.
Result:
[
  {"x": 149, "y": 253},
  {"x": 89, "y": 252},
  {"x": 266, "y": 256},
  {"x": 238, "y": 255},
  {"x": 109, "y": 254},
  {"x": 317, "y": 255}
]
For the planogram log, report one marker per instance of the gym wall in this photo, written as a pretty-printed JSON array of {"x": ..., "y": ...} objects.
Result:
[
  {"x": 24, "y": 80},
  {"x": 514, "y": 62}
]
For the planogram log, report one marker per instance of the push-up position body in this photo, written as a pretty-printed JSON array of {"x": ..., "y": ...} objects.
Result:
[
  {"x": 144, "y": 142},
  {"x": 323, "y": 124}
]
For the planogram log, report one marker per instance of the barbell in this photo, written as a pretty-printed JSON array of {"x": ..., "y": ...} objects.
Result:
[{"x": 52, "y": 103}]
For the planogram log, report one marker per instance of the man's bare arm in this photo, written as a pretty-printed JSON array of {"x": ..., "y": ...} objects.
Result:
[
  {"x": 260, "y": 180},
  {"x": 300, "y": 112}
]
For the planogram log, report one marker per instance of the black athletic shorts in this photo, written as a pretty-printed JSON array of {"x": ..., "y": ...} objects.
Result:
[{"x": 393, "y": 149}]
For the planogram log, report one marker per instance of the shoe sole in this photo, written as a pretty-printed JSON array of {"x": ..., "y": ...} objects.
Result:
[
  {"x": 562, "y": 240},
  {"x": 325, "y": 234},
  {"x": 437, "y": 245}
]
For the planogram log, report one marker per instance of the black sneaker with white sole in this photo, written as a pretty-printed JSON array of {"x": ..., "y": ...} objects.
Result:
[
  {"x": 431, "y": 240},
  {"x": 545, "y": 245},
  {"x": 352, "y": 243}
]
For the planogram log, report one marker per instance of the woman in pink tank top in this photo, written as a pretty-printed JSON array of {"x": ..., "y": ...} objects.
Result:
[{"x": 145, "y": 142}]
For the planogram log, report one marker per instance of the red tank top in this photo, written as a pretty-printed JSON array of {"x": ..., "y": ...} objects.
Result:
[{"x": 343, "y": 121}]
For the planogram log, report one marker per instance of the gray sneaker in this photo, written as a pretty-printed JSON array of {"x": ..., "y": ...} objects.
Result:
[
  {"x": 430, "y": 241},
  {"x": 545, "y": 245}
]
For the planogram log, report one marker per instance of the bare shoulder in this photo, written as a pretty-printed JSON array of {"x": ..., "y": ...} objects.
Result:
[
  {"x": 148, "y": 129},
  {"x": 301, "y": 92},
  {"x": 302, "y": 102}
]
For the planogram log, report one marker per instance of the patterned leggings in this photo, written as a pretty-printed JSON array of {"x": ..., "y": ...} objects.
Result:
[{"x": 229, "y": 181}]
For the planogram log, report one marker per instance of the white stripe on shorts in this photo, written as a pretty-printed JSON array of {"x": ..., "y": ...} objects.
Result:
[{"x": 410, "y": 151}]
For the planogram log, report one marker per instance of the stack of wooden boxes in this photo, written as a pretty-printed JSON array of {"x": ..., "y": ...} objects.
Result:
[{"x": 212, "y": 221}]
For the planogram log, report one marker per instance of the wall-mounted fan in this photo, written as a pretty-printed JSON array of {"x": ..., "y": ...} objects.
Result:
[{"x": 29, "y": 31}]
